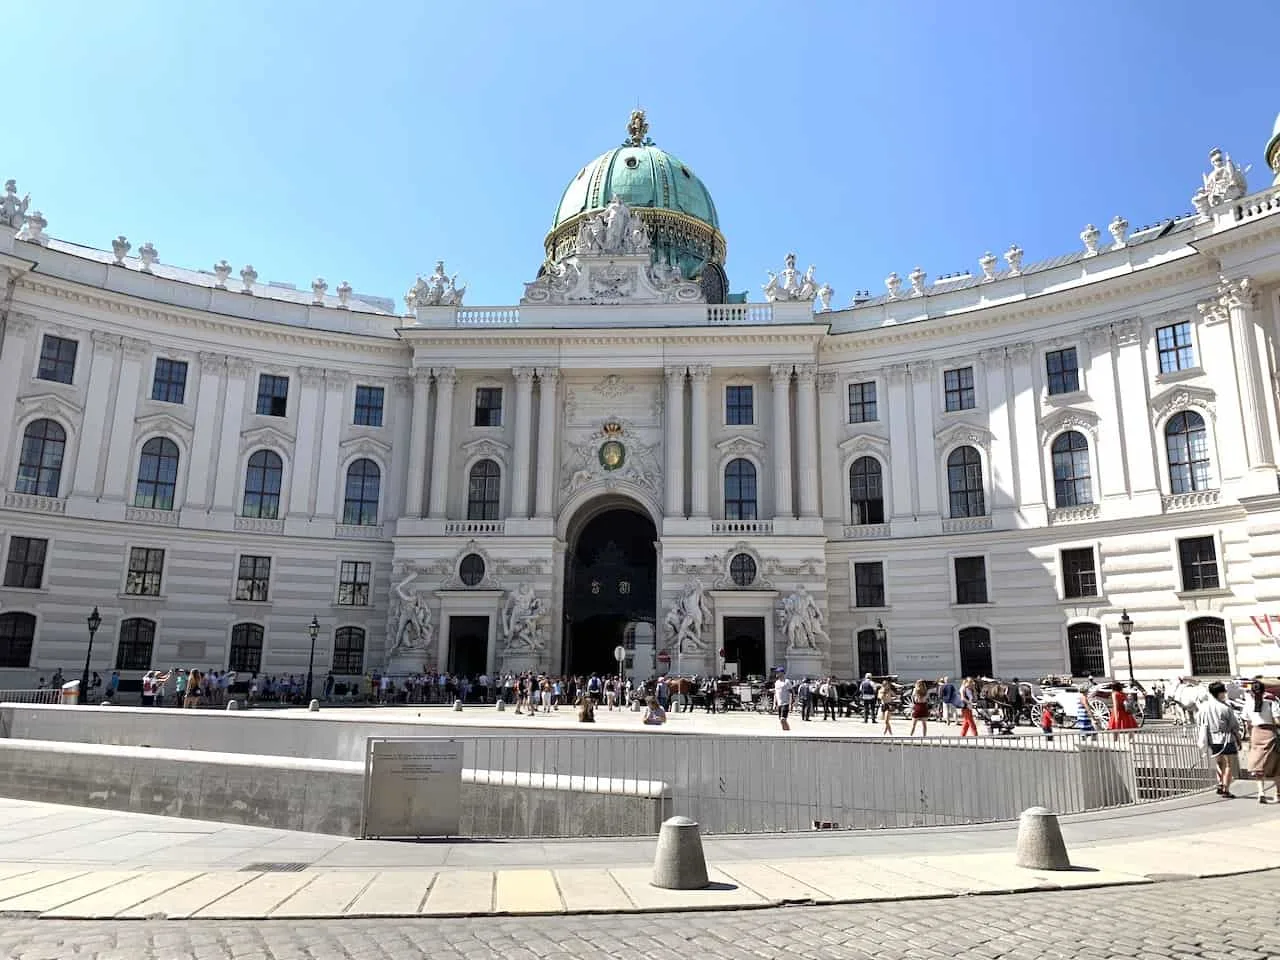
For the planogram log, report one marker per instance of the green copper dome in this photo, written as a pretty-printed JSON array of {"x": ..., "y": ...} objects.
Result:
[
  {"x": 1272, "y": 152},
  {"x": 674, "y": 204}
]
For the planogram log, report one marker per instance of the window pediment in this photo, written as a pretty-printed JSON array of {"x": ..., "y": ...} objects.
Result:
[
  {"x": 864, "y": 443},
  {"x": 959, "y": 434},
  {"x": 1069, "y": 419},
  {"x": 1183, "y": 397},
  {"x": 265, "y": 436},
  {"x": 365, "y": 446},
  {"x": 49, "y": 405},
  {"x": 740, "y": 445},
  {"x": 486, "y": 447},
  {"x": 164, "y": 423}
]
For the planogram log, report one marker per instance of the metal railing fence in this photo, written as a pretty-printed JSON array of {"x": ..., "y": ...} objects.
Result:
[
  {"x": 47, "y": 695},
  {"x": 734, "y": 784}
]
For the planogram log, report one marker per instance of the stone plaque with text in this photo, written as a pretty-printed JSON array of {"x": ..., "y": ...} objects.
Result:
[{"x": 412, "y": 788}]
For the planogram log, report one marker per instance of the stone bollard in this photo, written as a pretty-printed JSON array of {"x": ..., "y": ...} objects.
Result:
[
  {"x": 679, "y": 864},
  {"x": 233, "y": 704},
  {"x": 314, "y": 706},
  {"x": 105, "y": 703},
  {"x": 500, "y": 706},
  {"x": 1040, "y": 843},
  {"x": 457, "y": 705}
]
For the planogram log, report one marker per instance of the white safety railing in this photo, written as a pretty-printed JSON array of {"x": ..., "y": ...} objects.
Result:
[{"x": 48, "y": 695}]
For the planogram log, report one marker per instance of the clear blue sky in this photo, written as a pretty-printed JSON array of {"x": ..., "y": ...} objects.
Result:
[{"x": 361, "y": 141}]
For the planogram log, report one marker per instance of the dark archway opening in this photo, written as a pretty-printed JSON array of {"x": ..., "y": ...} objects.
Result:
[{"x": 611, "y": 580}]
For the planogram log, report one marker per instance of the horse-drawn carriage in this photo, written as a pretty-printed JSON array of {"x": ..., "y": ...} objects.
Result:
[{"x": 1062, "y": 696}]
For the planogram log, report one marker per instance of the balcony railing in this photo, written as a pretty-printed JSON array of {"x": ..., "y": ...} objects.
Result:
[
  {"x": 1190, "y": 501},
  {"x": 474, "y": 528},
  {"x": 753, "y": 527},
  {"x": 748, "y": 313},
  {"x": 1082, "y": 513},
  {"x": 487, "y": 316},
  {"x": 358, "y": 531},
  {"x": 865, "y": 531},
  {"x": 965, "y": 524},
  {"x": 259, "y": 525},
  {"x": 34, "y": 504},
  {"x": 161, "y": 518}
]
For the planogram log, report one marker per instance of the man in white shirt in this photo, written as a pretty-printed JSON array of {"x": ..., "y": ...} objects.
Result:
[{"x": 782, "y": 698}]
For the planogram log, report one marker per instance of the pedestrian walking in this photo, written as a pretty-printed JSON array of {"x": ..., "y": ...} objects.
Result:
[
  {"x": 1264, "y": 747},
  {"x": 1046, "y": 722},
  {"x": 867, "y": 694},
  {"x": 782, "y": 689},
  {"x": 888, "y": 696},
  {"x": 946, "y": 700},
  {"x": 968, "y": 700},
  {"x": 920, "y": 708},
  {"x": 1219, "y": 733}
]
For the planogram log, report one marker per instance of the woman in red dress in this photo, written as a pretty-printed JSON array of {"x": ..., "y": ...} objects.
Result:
[{"x": 1121, "y": 718}]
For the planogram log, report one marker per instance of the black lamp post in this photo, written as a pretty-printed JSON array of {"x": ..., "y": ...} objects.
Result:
[
  {"x": 882, "y": 636},
  {"x": 95, "y": 621},
  {"x": 1126, "y": 628},
  {"x": 314, "y": 630}
]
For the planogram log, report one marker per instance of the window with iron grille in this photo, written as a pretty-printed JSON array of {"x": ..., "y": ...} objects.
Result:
[
  {"x": 146, "y": 568},
  {"x": 862, "y": 402},
  {"x": 353, "y": 583},
  {"x": 488, "y": 406},
  {"x": 348, "y": 650},
  {"x": 742, "y": 569},
  {"x": 975, "y": 652},
  {"x": 971, "y": 579},
  {"x": 739, "y": 406},
  {"x": 170, "y": 382},
  {"x": 1198, "y": 557},
  {"x": 137, "y": 639},
  {"x": 273, "y": 396},
  {"x": 1207, "y": 640},
  {"x": 57, "y": 359},
  {"x": 964, "y": 483},
  {"x": 740, "y": 490},
  {"x": 1079, "y": 573},
  {"x": 17, "y": 637},
  {"x": 246, "y": 648},
  {"x": 253, "y": 580},
  {"x": 25, "y": 565},
  {"x": 868, "y": 584},
  {"x": 484, "y": 491},
  {"x": 368, "y": 406},
  {"x": 1084, "y": 647},
  {"x": 1173, "y": 343},
  {"x": 958, "y": 385},
  {"x": 873, "y": 653},
  {"x": 1063, "y": 370}
]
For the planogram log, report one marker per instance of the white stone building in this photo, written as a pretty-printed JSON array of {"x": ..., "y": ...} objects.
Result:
[{"x": 991, "y": 466}]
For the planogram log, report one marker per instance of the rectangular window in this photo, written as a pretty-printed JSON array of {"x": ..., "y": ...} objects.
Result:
[
  {"x": 368, "y": 407},
  {"x": 137, "y": 640},
  {"x": 353, "y": 583},
  {"x": 1063, "y": 370},
  {"x": 959, "y": 388},
  {"x": 273, "y": 396},
  {"x": 739, "y": 406},
  {"x": 1198, "y": 557},
  {"x": 488, "y": 406},
  {"x": 868, "y": 584},
  {"x": 146, "y": 566},
  {"x": 25, "y": 566},
  {"x": 862, "y": 402},
  {"x": 971, "y": 579},
  {"x": 254, "y": 578},
  {"x": 170, "y": 383},
  {"x": 1174, "y": 346},
  {"x": 1079, "y": 575},
  {"x": 57, "y": 359}
]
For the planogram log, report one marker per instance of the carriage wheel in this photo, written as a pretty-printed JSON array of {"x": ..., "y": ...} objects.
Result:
[{"x": 1101, "y": 709}]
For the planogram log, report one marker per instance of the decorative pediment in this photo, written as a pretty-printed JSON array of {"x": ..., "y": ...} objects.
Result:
[
  {"x": 720, "y": 563},
  {"x": 453, "y": 581},
  {"x": 266, "y": 436},
  {"x": 49, "y": 405},
  {"x": 365, "y": 446},
  {"x": 959, "y": 434},
  {"x": 739, "y": 445},
  {"x": 864, "y": 443},
  {"x": 1068, "y": 419},
  {"x": 163, "y": 423},
  {"x": 1183, "y": 397},
  {"x": 487, "y": 447}
]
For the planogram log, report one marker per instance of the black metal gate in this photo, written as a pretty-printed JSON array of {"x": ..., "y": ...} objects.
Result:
[{"x": 1084, "y": 648}]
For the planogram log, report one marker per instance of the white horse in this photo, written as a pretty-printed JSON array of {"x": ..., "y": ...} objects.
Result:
[{"x": 1187, "y": 694}]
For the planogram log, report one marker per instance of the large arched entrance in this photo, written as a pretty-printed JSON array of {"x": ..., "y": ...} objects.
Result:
[{"x": 611, "y": 580}]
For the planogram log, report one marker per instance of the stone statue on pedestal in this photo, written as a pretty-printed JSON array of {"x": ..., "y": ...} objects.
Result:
[
  {"x": 801, "y": 621},
  {"x": 413, "y": 630},
  {"x": 520, "y": 616},
  {"x": 688, "y": 615}
]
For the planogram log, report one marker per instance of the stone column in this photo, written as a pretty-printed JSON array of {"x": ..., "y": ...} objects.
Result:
[
  {"x": 700, "y": 438},
  {"x": 101, "y": 367},
  {"x": 1108, "y": 450},
  {"x": 927, "y": 465},
  {"x": 120, "y": 442},
  {"x": 901, "y": 461},
  {"x": 674, "y": 438},
  {"x": 417, "y": 476},
  {"x": 229, "y": 443},
  {"x": 1232, "y": 460},
  {"x": 829, "y": 439},
  {"x": 1138, "y": 450},
  {"x": 783, "y": 505},
  {"x": 1003, "y": 497},
  {"x": 548, "y": 379},
  {"x": 524, "y": 442},
  {"x": 15, "y": 370},
  {"x": 807, "y": 437},
  {"x": 442, "y": 449},
  {"x": 1024, "y": 446},
  {"x": 326, "y": 479},
  {"x": 304, "y": 467},
  {"x": 1240, "y": 299},
  {"x": 200, "y": 472}
]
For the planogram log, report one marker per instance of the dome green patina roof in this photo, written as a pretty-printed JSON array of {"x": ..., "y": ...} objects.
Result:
[{"x": 641, "y": 175}]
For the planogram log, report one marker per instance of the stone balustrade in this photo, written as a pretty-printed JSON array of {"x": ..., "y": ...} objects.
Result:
[
  {"x": 751, "y": 527},
  {"x": 475, "y": 528}
]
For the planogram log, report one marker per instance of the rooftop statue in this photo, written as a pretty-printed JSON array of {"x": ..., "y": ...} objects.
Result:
[
  {"x": 437, "y": 290},
  {"x": 1224, "y": 182},
  {"x": 790, "y": 285},
  {"x": 616, "y": 231},
  {"x": 12, "y": 210},
  {"x": 637, "y": 130}
]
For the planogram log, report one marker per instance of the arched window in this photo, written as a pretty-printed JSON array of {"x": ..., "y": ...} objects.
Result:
[
  {"x": 873, "y": 654},
  {"x": 157, "y": 478},
  {"x": 866, "y": 491},
  {"x": 137, "y": 639},
  {"x": 17, "y": 636},
  {"x": 348, "y": 650},
  {"x": 975, "y": 652},
  {"x": 1207, "y": 639},
  {"x": 740, "y": 490},
  {"x": 964, "y": 483},
  {"x": 484, "y": 491},
  {"x": 363, "y": 482},
  {"x": 1084, "y": 648},
  {"x": 1188, "y": 446},
  {"x": 246, "y": 648},
  {"x": 1071, "y": 486},
  {"x": 40, "y": 464},
  {"x": 262, "y": 481}
]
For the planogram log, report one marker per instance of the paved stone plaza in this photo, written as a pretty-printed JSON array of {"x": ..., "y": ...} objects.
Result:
[{"x": 1231, "y": 917}]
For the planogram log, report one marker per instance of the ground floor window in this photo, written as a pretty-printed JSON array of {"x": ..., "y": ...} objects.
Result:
[
  {"x": 246, "y": 648},
  {"x": 348, "y": 650},
  {"x": 1207, "y": 639},
  {"x": 17, "y": 635},
  {"x": 137, "y": 639},
  {"x": 975, "y": 652},
  {"x": 873, "y": 654},
  {"x": 1084, "y": 650}
]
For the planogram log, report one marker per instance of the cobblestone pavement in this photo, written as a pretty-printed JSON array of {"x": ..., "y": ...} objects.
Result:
[{"x": 1230, "y": 918}]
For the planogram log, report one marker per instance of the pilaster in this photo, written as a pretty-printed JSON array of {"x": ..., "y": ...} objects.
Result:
[
  {"x": 828, "y": 440},
  {"x": 783, "y": 502},
  {"x": 442, "y": 449},
  {"x": 925, "y": 415},
  {"x": 1017, "y": 458},
  {"x": 519, "y": 503},
  {"x": 807, "y": 437},
  {"x": 105, "y": 349},
  {"x": 699, "y": 438},
  {"x": 416, "y": 479},
  {"x": 1108, "y": 453},
  {"x": 302, "y": 475},
  {"x": 901, "y": 462},
  {"x": 1131, "y": 371},
  {"x": 673, "y": 437},
  {"x": 327, "y": 477},
  {"x": 229, "y": 442},
  {"x": 548, "y": 381},
  {"x": 15, "y": 366},
  {"x": 120, "y": 442},
  {"x": 200, "y": 473}
]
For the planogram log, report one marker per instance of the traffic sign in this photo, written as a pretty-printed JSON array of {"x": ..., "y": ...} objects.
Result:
[{"x": 619, "y": 653}]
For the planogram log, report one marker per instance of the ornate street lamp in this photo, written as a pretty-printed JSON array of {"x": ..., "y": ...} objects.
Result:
[
  {"x": 95, "y": 621},
  {"x": 314, "y": 630},
  {"x": 882, "y": 636},
  {"x": 1126, "y": 628}
]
